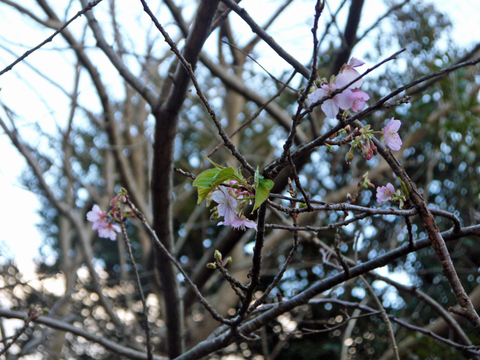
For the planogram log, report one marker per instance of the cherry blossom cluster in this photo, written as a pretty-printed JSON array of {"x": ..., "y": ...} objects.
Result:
[
  {"x": 349, "y": 99},
  {"x": 353, "y": 99},
  {"x": 365, "y": 143},
  {"x": 103, "y": 221},
  {"x": 231, "y": 205}
]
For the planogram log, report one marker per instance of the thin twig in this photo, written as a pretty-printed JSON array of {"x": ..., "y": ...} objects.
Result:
[
  {"x": 340, "y": 257},
  {"x": 257, "y": 29},
  {"x": 50, "y": 38},
  {"x": 256, "y": 62},
  {"x": 237, "y": 286},
  {"x": 408, "y": 222},
  {"x": 284, "y": 268},
  {"x": 254, "y": 273},
  {"x": 202, "y": 300},
  {"x": 34, "y": 313},
  {"x": 142, "y": 296},
  {"x": 255, "y": 115},
  {"x": 184, "y": 173},
  {"x": 384, "y": 316},
  {"x": 286, "y": 155}
]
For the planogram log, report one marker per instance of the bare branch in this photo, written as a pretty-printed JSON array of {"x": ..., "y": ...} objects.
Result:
[
  {"x": 88, "y": 7},
  {"x": 267, "y": 38},
  {"x": 142, "y": 88},
  {"x": 101, "y": 340}
]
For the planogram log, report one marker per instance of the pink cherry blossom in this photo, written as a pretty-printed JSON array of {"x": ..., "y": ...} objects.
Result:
[
  {"x": 100, "y": 223},
  {"x": 242, "y": 222},
  {"x": 390, "y": 132},
  {"x": 348, "y": 74},
  {"x": 107, "y": 230},
  {"x": 97, "y": 216},
  {"x": 227, "y": 205},
  {"x": 359, "y": 97},
  {"x": 384, "y": 193},
  {"x": 231, "y": 208},
  {"x": 331, "y": 106}
]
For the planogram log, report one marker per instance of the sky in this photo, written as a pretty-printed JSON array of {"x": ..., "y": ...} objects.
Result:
[{"x": 19, "y": 236}]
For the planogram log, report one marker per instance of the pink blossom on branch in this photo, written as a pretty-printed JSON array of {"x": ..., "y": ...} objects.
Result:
[
  {"x": 100, "y": 223},
  {"x": 227, "y": 205},
  {"x": 242, "y": 222},
  {"x": 348, "y": 74},
  {"x": 331, "y": 107},
  {"x": 97, "y": 216},
  {"x": 231, "y": 209},
  {"x": 390, "y": 132},
  {"x": 385, "y": 193},
  {"x": 359, "y": 97},
  {"x": 108, "y": 230},
  {"x": 347, "y": 99}
]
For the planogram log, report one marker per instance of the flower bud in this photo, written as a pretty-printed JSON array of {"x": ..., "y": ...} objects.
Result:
[
  {"x": 349, "y": 156},
  {"x": 217, "y": 255},
  {"x": 366, "y": 182},
  {"x": 211, "y": 266},
  {"x": 333, "y": 136}
]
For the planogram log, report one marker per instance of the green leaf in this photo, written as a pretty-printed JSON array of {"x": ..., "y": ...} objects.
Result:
[
  {"x": 222, "y": 176},
  {"x": 263, "y": 187},
  {"x": 207, "y": 180},
  {"x": 203, "y": 182}
]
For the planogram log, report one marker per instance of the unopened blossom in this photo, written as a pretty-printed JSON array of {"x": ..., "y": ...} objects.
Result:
[
  {"x": 108, "y": 230},
  {"x": 368, "y": 150},
  {"x": 97, "y": 216},
  {"x": 385, "y": 193},
  {"x": 390, "y": 132}
]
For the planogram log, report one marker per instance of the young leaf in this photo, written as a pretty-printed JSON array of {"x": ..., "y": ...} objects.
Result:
[
  {"x": 207, "y": 180},
  {"x": 204, "y": 181},
  {"x": 405, "y": 189},
  {"x": 223, "y": 176},
  {"x": 263, "y": 187}
]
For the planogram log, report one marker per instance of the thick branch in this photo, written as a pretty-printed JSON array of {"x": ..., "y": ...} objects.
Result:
[
  {"x": 434, "y": 235},
  {"x": 166, "y": 115},
  {"x": 221, "y": 341}
]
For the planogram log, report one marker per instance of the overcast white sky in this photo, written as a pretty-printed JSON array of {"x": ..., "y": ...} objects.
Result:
[{"x": 17, "y": 213}]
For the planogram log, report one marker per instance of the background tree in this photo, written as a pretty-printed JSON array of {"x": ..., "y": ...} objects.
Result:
[{"x": 126, "y": 114}]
